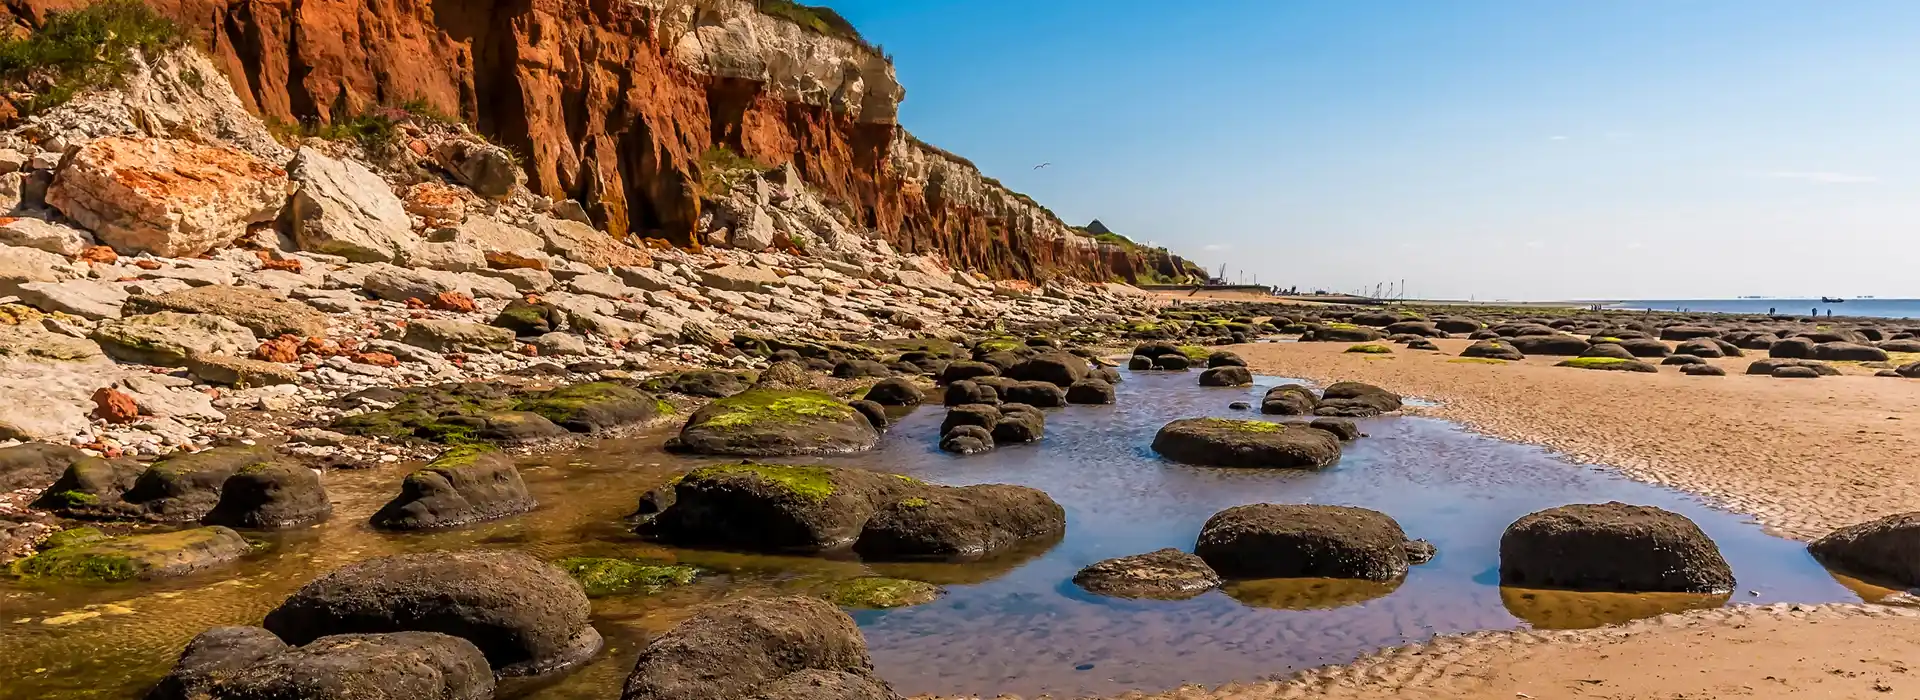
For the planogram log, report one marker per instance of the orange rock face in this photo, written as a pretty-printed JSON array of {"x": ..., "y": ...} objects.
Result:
[
  {"x": 285, "y": 348},
  {"x": 591, "y": 96},
  {"x": 453, "y": 301},
  {"x": 377, "y": 359}
]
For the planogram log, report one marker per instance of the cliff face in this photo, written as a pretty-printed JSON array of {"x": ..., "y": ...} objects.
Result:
[{"x": 614, "y": 102}]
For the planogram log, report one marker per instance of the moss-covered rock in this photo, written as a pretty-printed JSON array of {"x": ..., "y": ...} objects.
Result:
[
  {"x": 1221, "y": 442},
  {"x": 877, "y": 593},
  {"x": 591, "y": 407},
  {"x": 464, "y": 485},
  {"x": 771, "y": 422},
  {"x": 604, "y": 576},
  {"x": 1608, "y": 363},
  {"x": 73, "y": 536},
  {"x": 1370, "y": 349},
  {"x": 186, "y": 486},
  {"x": 90, "y": 488},
  {"x": 454, "y": 414},
  {"x": 132, "y": 557},
  {"x": 271, "y": 496}
]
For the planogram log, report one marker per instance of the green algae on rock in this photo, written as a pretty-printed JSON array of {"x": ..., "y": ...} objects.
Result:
[
  {"x": 773, "y": 422},
  {"x": 591, "y": 407},
  {"x": 1371, "y": 349},
  {"x": 1221, "y": 442},
  {"x": 1608, "y": 363},
  {"x": 602, "y": 576},
  {"x": 464, "y": 485},
  {"x": 117, "y": 559},
  {"x": 877, "y": 593}
]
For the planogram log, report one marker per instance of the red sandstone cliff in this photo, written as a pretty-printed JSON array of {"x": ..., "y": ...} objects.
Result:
[{"x": 613, "y": 103}]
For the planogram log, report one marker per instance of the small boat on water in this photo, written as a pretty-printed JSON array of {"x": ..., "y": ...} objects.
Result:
[{"x": 1832, "y": 300}]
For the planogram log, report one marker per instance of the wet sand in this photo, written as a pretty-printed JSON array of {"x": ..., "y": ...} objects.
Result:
[{"x": 1802, "y": 456}]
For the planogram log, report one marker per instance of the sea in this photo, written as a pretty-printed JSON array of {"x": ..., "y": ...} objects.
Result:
[{"x": 1876, "y": 308}]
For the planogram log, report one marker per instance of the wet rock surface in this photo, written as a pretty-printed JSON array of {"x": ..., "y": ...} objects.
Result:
[
  {"x": 1166, "y": 574},
  {"x": 1612, "y": 547},
  {"x": 1294, "y": 541},
  {"x": 740, "y": 649},
  {"x": 464, "y": 485},
  {"x": 1221, "y": 442}
]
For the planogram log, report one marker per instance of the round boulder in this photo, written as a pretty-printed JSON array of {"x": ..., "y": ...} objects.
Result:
[
  {"x": 464, "y": 485},
  {"x": 771, "y": 422},
  {"x": 967, "y": 391},
  {"x": 1848, "y": 352},
  {"x": 1683, "y": 360},
  {"x": 527, "y": 616},
  {"x": 1611, "y": 547},
  {"x": 1061, "y": 369},
  {"x": 1172, "y": 362},
  {"x": 966, "y": 369},
  {"x": 1289, "y": 400},
  {"x": 1231, "y": 375},
  {"x": 1796, "y": 372},
  {"x": 1223, "y": 358},
  {"x": 742, "y": 648},
  {"x": 1090, "y": 391},
  {"x": 1167, "y": 574},
  {"x": 1036, "y": 394},
  {"x": 396, "y": 666},
  {"x": 960, "y": 523},
  {"x": 1493, "y": 350},
  {"x": 1267, "y": 540},
  {"x": 1019, "y": 423},
  {"x": 1645, "y": 347},
  {"x": 1356, "y": 400},
  {"x": 1559, "y": 344},
  {"x": 1220, "y": 442},
  {"x": 896, "y": 391},
  {"x": 1791, "y": 348},
  {"x": 967, "y": 440},
  {"x": 271, "y": 496},
  {"x": 773, "y": 507},
  {"x": 1702, "y": 371},
  {"x": 1880, "y": 550},
  {"x": 1612, "y": 350}
]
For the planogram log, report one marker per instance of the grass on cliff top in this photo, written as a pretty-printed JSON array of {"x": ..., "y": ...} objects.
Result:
[
  {"x": 82, "y": 49},
  {"x": 814, "y": 18}
]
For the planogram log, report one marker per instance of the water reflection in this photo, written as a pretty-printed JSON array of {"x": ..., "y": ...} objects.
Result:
[
  {"x": 1561, "y": 610},
  {"x": 1011, "y": 624}
]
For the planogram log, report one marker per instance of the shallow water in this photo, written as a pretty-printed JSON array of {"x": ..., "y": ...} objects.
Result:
[{"x": 1015, "y": 624}]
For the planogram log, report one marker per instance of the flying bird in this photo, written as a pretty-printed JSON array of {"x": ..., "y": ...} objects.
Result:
[{"x": 1043, "y": 165}]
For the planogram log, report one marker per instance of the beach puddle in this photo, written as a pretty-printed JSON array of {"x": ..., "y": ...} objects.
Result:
[{"x": 1011, "y": 624}]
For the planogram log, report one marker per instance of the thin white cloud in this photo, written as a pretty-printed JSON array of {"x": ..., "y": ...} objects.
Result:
[
  {"x": 1823, "y": 177},
  {"x": 1557, "y": 138},
  {"x": 1213, "y": 247},
  {"x": 1536, "y": 244}
]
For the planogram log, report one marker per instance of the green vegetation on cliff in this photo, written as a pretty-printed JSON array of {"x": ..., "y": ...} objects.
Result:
[{"x": 80, "y": 50}]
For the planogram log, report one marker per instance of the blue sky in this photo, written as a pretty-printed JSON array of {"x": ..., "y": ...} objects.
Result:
[{"x": 1521, "y": 149}]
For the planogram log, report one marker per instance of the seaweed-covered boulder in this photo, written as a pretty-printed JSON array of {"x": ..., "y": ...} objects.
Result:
[
  {"x": 1607, "y": 350},
  {"x": 773, "y": 507},
  {"x": 1229, "y": 375},
  {"x": 271, "y": 496},
  {"x": 185, "y": 487},
  {"x": 1090, "y": 391},
  {"x": 1682, "y": 359},
  {"x": 967, "y": 369},
  {"x": 1167, "y": 574},
  {"x": 1557, "y": 344},
  {"x": 880, "y": 593},
  {"x": 970, "y": 414},
  {"x": 143, "y": 557},
  {"x": 1220, "y": 442},
  {"x": 967, "y": 391},
  {"x": 36, "y": 464},
  {"x": 1791, "y": 348},
  {"x": 1172, "y": 362},
  {"x": 768, "y": 422},
  {"x": 1267, "y": 540},
  {"x": 1879, "y": 550},
  {"x": 464, "y": 485},
  {"x": 213, "y": 655},
  {"x": 1343, "y": 428},
  {"x": 896, "y": 391},
  {"x": 962, "y": 522},
  {"x": 528, "y": 319},
  {"x": 90, "y": 488},
  {"x": 875, "y": 413},
  {"x": 1702, "y": 371},
  {"x": 1493, "y": 350},
  {"x": 708, "y": 383},
  {"x": 528, "y": 617},
  {"x": 1223, "y": 358},
  {"x": 1356, "y": 400},
  {"x": 1771, "y": 365},
  {"x": 1645, "y": 347},
  {"x": 1848, "y": 352},
  {"x": 1341, "y": 333},
  {"x": 745, "y": 649},
  {"x": 1060, "y": 369},
  {"x": 1612, "y": 364},
  {"x": 1702, "y": 347},
  {"x": 397, "y": 666},
  {"x": 445, "y": 413},
  {"x": 591, "y": 407},
  {"x": 1687, "y": 332},
  {"x": 1018, "y": 423},
  {"x": 1611, "y": 547},
  {"x": 1036, "y": 394},
  {"x": 601, "y": 576},
  {"x": 1289, "y": 400},
  {"x": 966, "y": 440}
]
